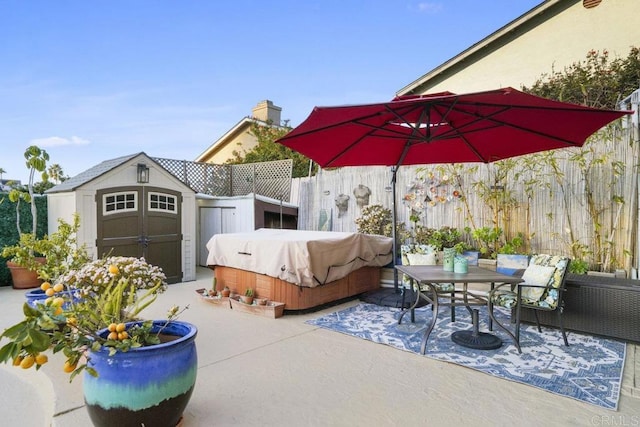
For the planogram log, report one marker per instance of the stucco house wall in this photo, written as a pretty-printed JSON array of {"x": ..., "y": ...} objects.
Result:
[
  {"x": 556, "y": 33},
  {"x": 239, "y": 137}
]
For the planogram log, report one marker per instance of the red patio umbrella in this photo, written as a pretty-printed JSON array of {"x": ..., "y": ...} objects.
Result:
[{"x": 443, "y": 128}]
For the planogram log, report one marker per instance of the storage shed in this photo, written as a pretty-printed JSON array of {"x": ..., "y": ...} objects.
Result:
[{"x": 132, "y": 206}]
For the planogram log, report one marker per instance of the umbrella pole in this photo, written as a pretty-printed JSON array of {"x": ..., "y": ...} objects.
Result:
[{"x": 394, "y": 170}]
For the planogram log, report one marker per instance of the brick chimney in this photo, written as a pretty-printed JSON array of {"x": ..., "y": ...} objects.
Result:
[{"x": 266, "y": 111}]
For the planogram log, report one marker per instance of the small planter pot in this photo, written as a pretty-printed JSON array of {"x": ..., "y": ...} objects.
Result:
[
  {"x": 247, "y": 300},
  {"x": 149, "y": 385},
  {"x": 23, "y": 278}
]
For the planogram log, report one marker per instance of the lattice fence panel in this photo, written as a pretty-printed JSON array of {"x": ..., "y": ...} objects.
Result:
[
  {"x": 270, "y": 179},
  {"x": 202, "y": 177}
]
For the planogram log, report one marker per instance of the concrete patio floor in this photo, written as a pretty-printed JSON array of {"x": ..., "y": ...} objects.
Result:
[{"x": 256, "y": 371}]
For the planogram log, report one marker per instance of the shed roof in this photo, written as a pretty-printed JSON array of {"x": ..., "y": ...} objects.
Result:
[{"x": 90, "y": 174}]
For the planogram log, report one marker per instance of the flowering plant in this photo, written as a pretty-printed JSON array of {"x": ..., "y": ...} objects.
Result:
[{"x": 103, "y": 294}]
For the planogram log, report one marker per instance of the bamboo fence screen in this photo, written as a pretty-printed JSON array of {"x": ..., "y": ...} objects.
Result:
[{"x": 550, "y": 205}]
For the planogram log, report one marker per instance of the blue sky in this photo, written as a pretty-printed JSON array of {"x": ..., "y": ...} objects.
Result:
[{"x": 94, "y": 80}]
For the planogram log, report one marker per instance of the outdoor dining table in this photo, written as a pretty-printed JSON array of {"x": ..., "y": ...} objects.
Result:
[{"x": 424, "y": 279}]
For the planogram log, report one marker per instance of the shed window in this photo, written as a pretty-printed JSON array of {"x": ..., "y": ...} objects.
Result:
[
  {"x": 163, "y": 203},
  {"x": 120, "y": 202}
]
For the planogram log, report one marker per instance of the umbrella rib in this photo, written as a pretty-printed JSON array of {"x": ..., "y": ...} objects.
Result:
[
  {"x": 457, "y": 130},
  {"x": 331, "y": 126},
  {"x": 415, "y": 129},
  {"x": 415, "y": 132},
  {"x": 347, "y": 148}
]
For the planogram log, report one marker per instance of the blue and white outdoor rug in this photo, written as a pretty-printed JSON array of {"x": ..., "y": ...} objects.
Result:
[{"x": 589, "y": 370}]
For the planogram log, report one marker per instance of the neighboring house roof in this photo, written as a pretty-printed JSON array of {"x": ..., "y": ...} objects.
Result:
[
  {"x": 240, "y": 127},
  {"x": 544, "y": 37},
  {"x": 231, "y": 137},
  {"x": 239, "y": 137}
]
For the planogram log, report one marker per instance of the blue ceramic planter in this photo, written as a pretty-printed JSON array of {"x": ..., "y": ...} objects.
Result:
[
  {"x": 148, "y": 386},
  {"x": 36, "y": 296}
]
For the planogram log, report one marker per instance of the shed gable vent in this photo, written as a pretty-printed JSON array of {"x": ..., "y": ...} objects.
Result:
[{"x": 588, "y": 4}]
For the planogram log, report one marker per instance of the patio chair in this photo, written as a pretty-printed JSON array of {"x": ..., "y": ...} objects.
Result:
[
  {"x": 542, "y": 289},
  {"x": 417, "y": 254}
]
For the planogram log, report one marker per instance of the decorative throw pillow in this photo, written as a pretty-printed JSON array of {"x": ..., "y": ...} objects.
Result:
[
  {"x": 422, "y": 259},
  {"x": 538, "y": 275}
]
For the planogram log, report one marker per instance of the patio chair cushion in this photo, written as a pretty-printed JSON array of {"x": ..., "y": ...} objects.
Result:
[
  {"x": 538, "y": 275},
  {"x": 421, "y": 255},
  {"x": 422, "y": 259},
  {"x": 550, "y": 295},
  {"x": 416, "y": 250},
  {"x": 504, "y": 298},
  {"x": 543, "y": 270}
]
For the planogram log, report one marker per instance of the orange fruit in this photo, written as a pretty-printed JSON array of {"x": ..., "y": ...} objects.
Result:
[
  {"x": 72, "y": 321},
  {"x": 58, "y": 301},
  {"x": 123, "y": 335},
  {"x": 45, "y": 286},
  {"x": 112, "y": 327},
  {"x": 112, "y": 336},
  {"x": 27, "y": 362},
  {"x": 113, "y": 269},
  {"x": 69, "y": 367},
  {"x": 41, "y": 359},
  {"x": 49, "y": 292},
  {"x": 58, "y": 311},
  {"x": 58, "y": 287},
  {"x": 17, "y": 361},
  {"x": 120, "y": 327}
]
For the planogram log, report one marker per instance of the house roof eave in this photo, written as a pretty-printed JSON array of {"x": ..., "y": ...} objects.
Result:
[{"x": 238, "y": 128}]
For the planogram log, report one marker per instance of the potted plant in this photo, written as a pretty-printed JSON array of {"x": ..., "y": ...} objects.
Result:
[
  {"x": 444, "y": 237},
  {"x": 225, "y": 292},
  {"x": 247, "y": 298},
  {"x": 136, "y": 372},
  {"x": 23, "y": 263},
  {"x": 50, "y": 256},
  {"x": 376, "y": 219},
  {"x": 213, "y": 292}
]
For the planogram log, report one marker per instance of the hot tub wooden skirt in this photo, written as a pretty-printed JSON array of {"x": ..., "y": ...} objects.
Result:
[{"x": 296, "y": 297}]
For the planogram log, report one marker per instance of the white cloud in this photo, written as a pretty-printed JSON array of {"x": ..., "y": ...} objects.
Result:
[
  {"x": 56, "y": 141},
  {"x": 429, "y": 7}
]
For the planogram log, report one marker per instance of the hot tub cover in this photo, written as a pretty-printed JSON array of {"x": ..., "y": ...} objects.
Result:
[{"x": 305, "y": 258}]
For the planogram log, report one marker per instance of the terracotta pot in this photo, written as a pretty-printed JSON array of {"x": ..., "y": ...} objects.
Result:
[
  {"x": 23, "y": 278},
  {"x": 148, "y": 385},
  {"x": 225, "y": 292},
  {"x": 247, "y": 300}
]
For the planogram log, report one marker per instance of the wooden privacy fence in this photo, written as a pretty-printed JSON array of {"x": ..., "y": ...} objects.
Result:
[{"x": 579, "y": 202}]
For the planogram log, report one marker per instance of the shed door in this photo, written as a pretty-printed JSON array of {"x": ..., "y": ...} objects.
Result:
[
  {"x": 142, "y": 222},
  {"x": 214, "y": 220}
]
